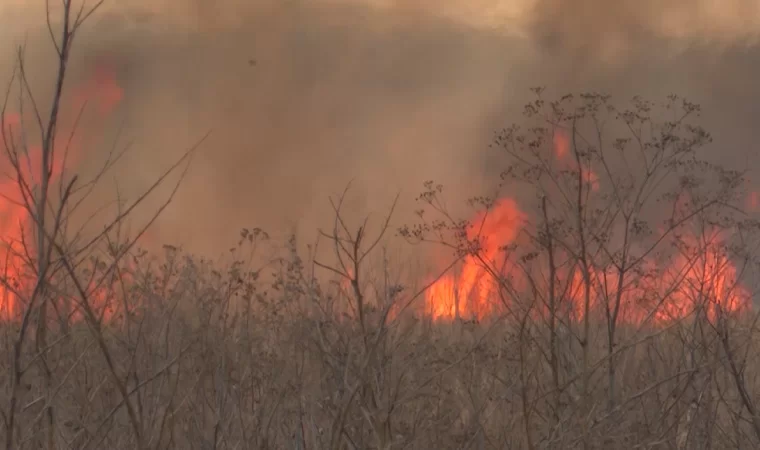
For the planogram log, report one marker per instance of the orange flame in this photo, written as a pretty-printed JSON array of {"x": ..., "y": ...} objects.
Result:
[
  {"x": 562, "y": 150},
  {"x": 15, "y": 222},
  {"x": 469, "y": 295},
  {"x": 753, "y": 201},
  {"x": 561, "y": 145},
  {"x": 703, "y": 278}
]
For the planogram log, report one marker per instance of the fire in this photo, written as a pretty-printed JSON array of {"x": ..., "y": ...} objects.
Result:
[
  {"x": 561, "y": 145},
  {"x": 709, "y": 282},
  {"x": 562, "y": 153},
  {"x": 101, "y": 91},
  {"x": 753, "y": 201},
  {"x": 701, "y": 278},
  {"x": 470, "y": 294}
]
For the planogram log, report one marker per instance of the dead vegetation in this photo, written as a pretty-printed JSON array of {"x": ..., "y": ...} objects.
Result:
[{"x": 107, "y": 346}]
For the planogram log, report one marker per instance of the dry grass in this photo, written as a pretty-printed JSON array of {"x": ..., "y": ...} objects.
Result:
[
  {"x": 223, "y": 360},
  {"x": 171, "y": 351}
]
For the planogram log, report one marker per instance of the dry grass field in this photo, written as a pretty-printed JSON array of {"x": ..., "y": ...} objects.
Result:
[{"x": 608, "y": 306}]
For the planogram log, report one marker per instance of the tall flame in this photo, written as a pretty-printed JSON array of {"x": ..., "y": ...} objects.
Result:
[
  {"x": 701, "y": 278},
  {"x": 101, "y": 91},
  {"x": 470, "y": 294}
]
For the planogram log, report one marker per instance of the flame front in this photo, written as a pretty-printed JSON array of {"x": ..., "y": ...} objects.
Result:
[
  {"x": 470, "y": 294},
  {"x": 700, "y": 278},
  {"x": 101, "y": 91}
]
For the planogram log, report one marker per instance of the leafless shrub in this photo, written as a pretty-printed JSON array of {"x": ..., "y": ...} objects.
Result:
[{"x": 108, "y": 345}]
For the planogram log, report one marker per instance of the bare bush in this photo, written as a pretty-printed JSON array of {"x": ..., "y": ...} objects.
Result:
[{"x": 608, "y": 306}]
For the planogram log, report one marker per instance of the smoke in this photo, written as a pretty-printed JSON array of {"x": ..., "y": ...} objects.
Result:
[{"x": 302, "y": 97}]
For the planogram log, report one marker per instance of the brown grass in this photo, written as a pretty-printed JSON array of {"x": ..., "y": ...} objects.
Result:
[{"x": 222, "y": 360}]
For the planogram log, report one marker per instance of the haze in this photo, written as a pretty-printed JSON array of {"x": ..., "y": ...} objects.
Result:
[{"x": 304, "y": 96}]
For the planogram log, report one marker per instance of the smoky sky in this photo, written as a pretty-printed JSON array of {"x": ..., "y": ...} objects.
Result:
[{"x": 302, "y": 97}]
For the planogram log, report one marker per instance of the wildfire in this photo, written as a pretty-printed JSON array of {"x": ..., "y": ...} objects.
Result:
[
  {"x": 753, "y": 201},
  {"x": 562, "y": 153},
  {"x": 101, "y": 91},
  {"x": 470, "y": 293},
  {"x": 700, "y": 278}
]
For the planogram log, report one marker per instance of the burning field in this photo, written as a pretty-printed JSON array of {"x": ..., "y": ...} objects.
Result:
[
  {"x": 97, "y": 93},
  {"x": 597, "y": 292},
  {"x": 488, "y": 283}
]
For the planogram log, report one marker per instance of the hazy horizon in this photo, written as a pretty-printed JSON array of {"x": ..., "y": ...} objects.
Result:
[{"x": 303, "y": 97}]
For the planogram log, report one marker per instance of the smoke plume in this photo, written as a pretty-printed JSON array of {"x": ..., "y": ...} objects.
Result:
[{"x": 302, "y": 97}]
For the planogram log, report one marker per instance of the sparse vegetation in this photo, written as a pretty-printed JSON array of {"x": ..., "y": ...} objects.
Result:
[{"x": 616, "y": 314}]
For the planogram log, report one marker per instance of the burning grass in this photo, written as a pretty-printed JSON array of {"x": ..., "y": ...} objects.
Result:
[
  {"x": 567, "y": 322},
  {"x": 223, "y": 358}
]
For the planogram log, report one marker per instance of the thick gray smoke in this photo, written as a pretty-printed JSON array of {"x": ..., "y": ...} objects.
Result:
[{"x": 304, "y": 96}]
